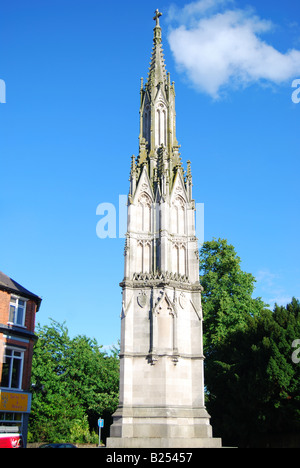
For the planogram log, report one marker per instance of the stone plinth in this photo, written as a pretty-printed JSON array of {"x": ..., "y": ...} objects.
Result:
[
  {"x": 160, "y": 442},
  {"x": 148, "y": 427}
]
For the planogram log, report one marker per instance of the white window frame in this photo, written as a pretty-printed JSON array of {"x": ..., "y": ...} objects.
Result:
[
  {"x": 11, "y": 419},
  {"x": 17, "y": 306},
  {"x": 10, "y": 373}
]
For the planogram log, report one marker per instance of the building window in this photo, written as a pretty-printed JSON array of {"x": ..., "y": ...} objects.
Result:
[
  {"x": 17, "y": 310},
  {"x": 12, "y": 369},
  {"x": 11, "y": 419}
]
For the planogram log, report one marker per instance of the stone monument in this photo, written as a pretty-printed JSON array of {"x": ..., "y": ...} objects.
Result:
[{"x": 161, "y": 358}]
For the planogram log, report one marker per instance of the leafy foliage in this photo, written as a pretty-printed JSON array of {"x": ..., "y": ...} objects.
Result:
[
  {"x": 227, "y": 296},
  {"x": 252, "y": 383},
  {"x": 73, "y": 384}
]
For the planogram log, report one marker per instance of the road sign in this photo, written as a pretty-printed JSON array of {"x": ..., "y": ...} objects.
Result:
[{"x": 100, "y": 424}]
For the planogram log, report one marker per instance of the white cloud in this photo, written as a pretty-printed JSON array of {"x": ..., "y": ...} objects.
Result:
[
  {"x": 280, "y": 300},
  {"x": 266, "y": 278},
  {"x": 271, "y": 289},
  {"x": 224, "y": 48}
]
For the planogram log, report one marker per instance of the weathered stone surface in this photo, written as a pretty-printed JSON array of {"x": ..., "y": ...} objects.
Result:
[
  {"x": 161, "y": 359},
  {"x": 155, "y": 442}
]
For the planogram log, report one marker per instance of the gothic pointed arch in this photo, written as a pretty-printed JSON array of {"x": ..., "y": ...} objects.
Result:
[{"x": 161, "y": 393}]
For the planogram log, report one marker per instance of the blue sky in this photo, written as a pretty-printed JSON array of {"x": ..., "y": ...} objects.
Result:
[{"x": 70, "y": 124}]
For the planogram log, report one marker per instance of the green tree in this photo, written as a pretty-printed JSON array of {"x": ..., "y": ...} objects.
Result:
[
  {"x": 253, "y": 383},
  {"x": 74, "y": 382},
  {"x": 227, "y": 296}
]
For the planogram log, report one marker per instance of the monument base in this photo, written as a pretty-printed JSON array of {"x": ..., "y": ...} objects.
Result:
[
  {"x": 156, "y": 442},
  {"x": 172, "y": 427}
]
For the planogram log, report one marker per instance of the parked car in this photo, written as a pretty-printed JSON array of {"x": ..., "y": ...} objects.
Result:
[{"x": 59, "y": 445}]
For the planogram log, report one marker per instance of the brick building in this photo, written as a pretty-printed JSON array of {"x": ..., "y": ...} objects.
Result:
[{"x": 18, "y": 308}]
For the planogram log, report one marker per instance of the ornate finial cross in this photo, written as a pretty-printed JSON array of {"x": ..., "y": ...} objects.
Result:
[{"x": 157, "y": 16}]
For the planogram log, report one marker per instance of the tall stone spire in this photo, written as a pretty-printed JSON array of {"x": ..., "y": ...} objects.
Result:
[
  {"x": 158, "y": 117},
  {"x": 161, "y": 357},
  {"x": 157, "y": 70}
]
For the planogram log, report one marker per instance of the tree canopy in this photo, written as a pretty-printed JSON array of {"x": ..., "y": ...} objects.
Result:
[
  {"x": 227, "y": 297},
  {"x": 252, "y": 382},
  {"x": 74, "y": 383}
]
